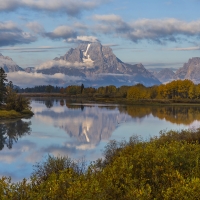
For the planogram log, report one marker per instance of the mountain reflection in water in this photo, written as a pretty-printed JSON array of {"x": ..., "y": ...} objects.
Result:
[
  {"x": 86, "y": 123},
  {"x": 81, "y": 130},
  {"x": 91, "y": 123}
]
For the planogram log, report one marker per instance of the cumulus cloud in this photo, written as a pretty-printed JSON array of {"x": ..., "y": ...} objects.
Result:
[
  {"x": 87, "y": 38},
  {"x": 83, "y": 39},
  {"x": 24, "y": 79},
  {"x": 61, "y": 63},
  {"x": 80, "y": 26},
  {"x": 35, "y": 27},
  {"x": 70, "y": 7},
  {"x": 158, "y": 30},
  {"x": 11, "y": 34},
  {"x": 62, "y": 32},
  {"x": 163, "y": 29}
]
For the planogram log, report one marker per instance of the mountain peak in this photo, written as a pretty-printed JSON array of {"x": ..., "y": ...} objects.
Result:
[
  {"x": 8, "y": 64},
  {"x": 190, "y": 70},
  {"x": 165, "y": 75},
  {"x": 92, "y": 60}
]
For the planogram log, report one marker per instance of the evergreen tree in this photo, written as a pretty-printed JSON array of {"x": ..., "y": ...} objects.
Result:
[
  {"x": 82, "y": 87},
  {"x": 49, "y": 88},
  {"x": 3, "y": 81}
]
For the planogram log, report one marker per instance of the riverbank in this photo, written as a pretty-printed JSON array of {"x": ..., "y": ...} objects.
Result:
[
  {"x": 12, "y": 114},
  {"x": 113, "y": 100}
]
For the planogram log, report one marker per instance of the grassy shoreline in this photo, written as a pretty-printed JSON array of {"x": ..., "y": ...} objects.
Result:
[
  {"x": 12, "y": 114},
  {"x": 114, "y": 100}
]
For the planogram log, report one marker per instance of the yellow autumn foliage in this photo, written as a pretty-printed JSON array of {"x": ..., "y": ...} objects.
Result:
[{"x": 165, "y": 167}]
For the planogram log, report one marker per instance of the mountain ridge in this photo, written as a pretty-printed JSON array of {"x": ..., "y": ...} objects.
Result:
[
  {"x": 93, "y": 60},
  {"x": 190, "y": 70},
  {"x": 96, "y": 65},
  {"x": 8, "y": 64}
]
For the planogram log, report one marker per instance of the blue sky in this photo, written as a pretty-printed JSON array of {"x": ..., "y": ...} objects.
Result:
[{"x": 157, "y": 33}]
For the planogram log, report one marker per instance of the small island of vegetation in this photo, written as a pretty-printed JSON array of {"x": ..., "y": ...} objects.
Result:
[{"x": 12, "y": 105}]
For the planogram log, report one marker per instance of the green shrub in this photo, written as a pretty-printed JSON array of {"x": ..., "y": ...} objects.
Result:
[{"x": 166, "y": 167}]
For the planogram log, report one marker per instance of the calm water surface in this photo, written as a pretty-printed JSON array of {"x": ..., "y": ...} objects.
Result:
[{"x": 81, "y": 131}]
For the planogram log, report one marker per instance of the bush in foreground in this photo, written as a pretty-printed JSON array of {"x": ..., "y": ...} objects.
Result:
[{"x": 166, "y": 167}]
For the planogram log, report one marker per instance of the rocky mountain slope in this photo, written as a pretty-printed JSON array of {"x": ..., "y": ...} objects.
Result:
[
  {"x": 29, "y": 69},
  {"x": 8, "y": 64},
  {"x": 98, "y": 65},
  {"x": 165, "y": 75},
  {"x": 190, "y": 70}
]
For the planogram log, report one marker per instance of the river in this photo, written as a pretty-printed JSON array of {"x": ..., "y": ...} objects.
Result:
[{"x": 81, "y": 131}]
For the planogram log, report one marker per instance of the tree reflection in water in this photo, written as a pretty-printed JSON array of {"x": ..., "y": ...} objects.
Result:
[
  {"x": 11, "y": 131},
  {"x": 174, "y": 114},
  {"x": 49, "y": 103}
]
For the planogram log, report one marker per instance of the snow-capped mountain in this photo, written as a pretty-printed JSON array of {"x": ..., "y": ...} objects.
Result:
[
  {"x": 190, "y": 70},
  {"x": 29, "y": 69},
  {"x": 8, "y": 64},
  {"x": 165, "y": 75},
  {"x": 99, "y": 66}
]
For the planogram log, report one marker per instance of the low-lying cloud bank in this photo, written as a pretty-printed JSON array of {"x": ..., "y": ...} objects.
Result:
[
  {"x": 61, "y": 63},
  {"x": 23, "y": 79}
]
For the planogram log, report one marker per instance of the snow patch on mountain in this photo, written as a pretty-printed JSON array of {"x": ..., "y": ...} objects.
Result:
[
  {"x": 8, "y": 64},
  {"x": 86, "y": 59},
  {"x": 88, "y": 46}
]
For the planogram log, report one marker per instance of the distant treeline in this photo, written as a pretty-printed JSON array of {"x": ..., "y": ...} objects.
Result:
[
  {"x": 40, "y": 89},
  {"x": 178, "y": 89}
]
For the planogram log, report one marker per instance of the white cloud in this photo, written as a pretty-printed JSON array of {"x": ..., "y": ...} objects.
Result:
[
  {"x": 87, "y": 38},
  {"x": 24, "y": 79},
  {"x": 9, "y": 25},
  {"x": 158, "y": 30},
  {"x": 35, "y": 27},
  {"x": 152, "y": 28},
  {"x": 61, "y": 63},
  {"x": 80, "y": 26},
  {"x": 82, "y": 39},
  {"x": 70, "y": 7},
  {"x": 11, "y": 34},
  {"x": 62, "y": 32}
]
